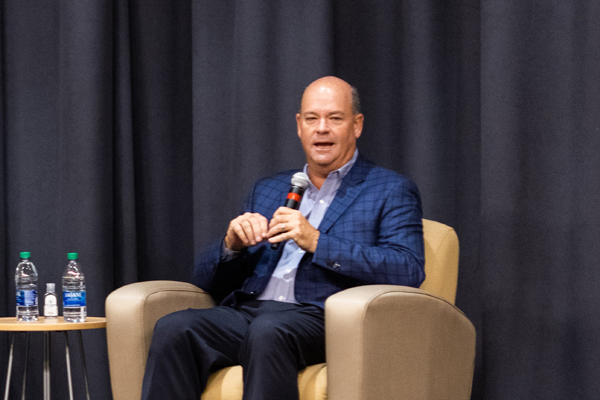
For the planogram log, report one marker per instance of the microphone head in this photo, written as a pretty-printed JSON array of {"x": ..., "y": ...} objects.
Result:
[{"x": 300, "y": 179}]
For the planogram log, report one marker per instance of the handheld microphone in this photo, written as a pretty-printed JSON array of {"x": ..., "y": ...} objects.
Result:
[{"x": 299, "y": 184}]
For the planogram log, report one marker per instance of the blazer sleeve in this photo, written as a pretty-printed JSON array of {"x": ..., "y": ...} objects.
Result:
[
  {"x": 395, "y": 256},
  {"x": 217, "y": 277}
]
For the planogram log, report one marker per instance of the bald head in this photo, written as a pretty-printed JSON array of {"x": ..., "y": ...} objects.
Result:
[
  {"x": 328, "y": 126},
  {"x": 339, "y": 85}
]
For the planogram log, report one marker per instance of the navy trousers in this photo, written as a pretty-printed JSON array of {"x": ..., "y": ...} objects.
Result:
[{"x": 271, "y": 340}]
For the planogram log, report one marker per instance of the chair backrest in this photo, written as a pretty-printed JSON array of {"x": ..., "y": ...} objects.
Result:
[{"x": 441, "y": 260}]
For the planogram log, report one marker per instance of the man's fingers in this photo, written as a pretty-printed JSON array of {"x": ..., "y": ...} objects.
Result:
[
  {"x": 277, "y": 234},
  {"x": 281, "y": 229},
  {"x": 288, "y": 224},
  {"x": 246, "y": 230},
  {"x": 254, "y": 227},
  {"x": 263, "y": 225},
  {"x": 259, "y": 226},
  {"x": 276, "y": 223},
  {"x": 284, "y": 211},
  {"x": 284, "y": 215},
  {"x": 240, "y": 229}
]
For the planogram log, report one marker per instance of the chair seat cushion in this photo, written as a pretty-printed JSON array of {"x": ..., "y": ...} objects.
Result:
[{"x": 227, "y": 384}]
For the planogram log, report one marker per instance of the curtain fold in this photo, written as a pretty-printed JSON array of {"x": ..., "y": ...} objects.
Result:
[
  {"x": 5, "y": 274},
  {"x": 132, "y": 131},
  {"x": 125, "y": 260},
  {"x": 539, "y": 121},
  {"x": 251, "y": 63}
]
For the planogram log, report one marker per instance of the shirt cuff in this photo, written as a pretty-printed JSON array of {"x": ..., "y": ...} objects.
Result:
[{"x": 226, "y": 254}]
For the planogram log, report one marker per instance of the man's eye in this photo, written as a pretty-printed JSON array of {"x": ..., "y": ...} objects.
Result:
[{"x": 310, "y": 119}]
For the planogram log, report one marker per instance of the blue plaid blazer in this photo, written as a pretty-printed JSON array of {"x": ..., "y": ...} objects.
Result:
[{"x": 371, "y": 234}]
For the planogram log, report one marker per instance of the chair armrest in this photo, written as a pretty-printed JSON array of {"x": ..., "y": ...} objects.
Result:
[
  {"x": 131, "y": 313},
  {"x": 389, "y": 342}
]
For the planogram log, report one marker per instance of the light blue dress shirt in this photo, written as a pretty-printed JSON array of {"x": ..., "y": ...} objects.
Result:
[{"x": 313, "y": 206}]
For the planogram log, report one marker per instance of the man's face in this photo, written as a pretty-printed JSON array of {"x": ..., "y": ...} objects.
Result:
[{"x": 327, "y": 128}]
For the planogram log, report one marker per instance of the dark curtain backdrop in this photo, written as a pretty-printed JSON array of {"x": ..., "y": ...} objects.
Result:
[{"x": 131, "y": 131}]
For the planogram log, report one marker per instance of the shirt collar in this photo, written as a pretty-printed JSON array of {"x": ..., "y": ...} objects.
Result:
[{"x": 341, "y": 172}]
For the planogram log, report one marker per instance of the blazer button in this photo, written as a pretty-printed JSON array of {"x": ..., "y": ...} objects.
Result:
[
  {"x": 336, "y": 266},
  {"x": 253, "y": 292}
]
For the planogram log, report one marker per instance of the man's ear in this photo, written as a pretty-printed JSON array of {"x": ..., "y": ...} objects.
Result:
[
  {"x": 358, "y": 125},
  {"x": 298, "y": 123}
]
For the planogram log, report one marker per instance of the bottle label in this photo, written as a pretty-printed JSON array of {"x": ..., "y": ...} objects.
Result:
[
  {"x": 26, "y": 298},
  {"x": 50, "y": 306},
  {"x": 73, "y": 299},
  {"x": 51, "y": 310}
]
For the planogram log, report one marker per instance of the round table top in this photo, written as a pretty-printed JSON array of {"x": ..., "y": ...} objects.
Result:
[{"x": 54, "y": 324}]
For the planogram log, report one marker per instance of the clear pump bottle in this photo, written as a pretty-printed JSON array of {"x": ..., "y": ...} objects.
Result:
[{"x": 50, "y": 302}]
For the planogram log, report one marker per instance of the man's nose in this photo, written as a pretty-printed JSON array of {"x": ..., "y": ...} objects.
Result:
[{"x": 323, "y": 126}]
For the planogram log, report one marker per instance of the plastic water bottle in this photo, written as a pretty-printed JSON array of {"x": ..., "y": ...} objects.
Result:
[
  {"x": 26, "y": 278},
  {"x": 73, "y": 285}
]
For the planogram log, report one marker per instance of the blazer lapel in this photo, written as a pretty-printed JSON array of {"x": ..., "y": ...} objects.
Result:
[{"x": 349, "y": 189}]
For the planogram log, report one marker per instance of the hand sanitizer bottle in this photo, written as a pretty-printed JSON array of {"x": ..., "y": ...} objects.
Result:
[{"x": 50, "y": 302}]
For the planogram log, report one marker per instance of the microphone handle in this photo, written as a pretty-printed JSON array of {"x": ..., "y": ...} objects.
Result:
[{"x": 293, "y": 202}]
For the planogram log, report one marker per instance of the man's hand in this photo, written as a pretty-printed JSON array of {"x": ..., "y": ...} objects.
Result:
[
  {"x": 291, "y": 224},
  {"x": 246, "y": 230}
]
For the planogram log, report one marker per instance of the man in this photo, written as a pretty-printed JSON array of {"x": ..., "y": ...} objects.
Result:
[{"x": 357, "y": 224}]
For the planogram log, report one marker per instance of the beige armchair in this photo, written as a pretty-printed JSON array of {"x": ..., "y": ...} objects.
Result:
[{"x": 382, "y": 341}]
